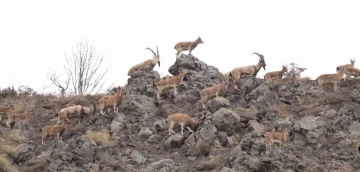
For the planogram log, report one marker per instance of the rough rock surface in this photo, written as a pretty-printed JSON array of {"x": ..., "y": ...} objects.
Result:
[{"x": 323, "y": 129}]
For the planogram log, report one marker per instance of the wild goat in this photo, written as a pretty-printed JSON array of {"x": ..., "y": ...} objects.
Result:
[
  {"x": 214, "y": 91},
  {"x": 55, "y": 130},
  {"x": 240, "y": 72},
  {"x": 351, "y": 71},
  {"x": 275, "y": 137},
  {"x": 4, "y": 111},
  {"x": 343, "y": 67},
  {"x": 169, "y": 83},
  {"x": 13, "y": 117},
  {"x": 330, "y": 78},
  {"x": 276, "y": 74},
  {"x": 150, "y": 62},
  {"x": 183, "y": 119},
  {"x": 112, "y": 101},
  {"x": 76, "y": 110},
  {"x": 187, "y": 46}
]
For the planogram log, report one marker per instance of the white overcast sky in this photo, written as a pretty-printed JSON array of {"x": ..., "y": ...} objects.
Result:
[{"x": 35, "y": 35}]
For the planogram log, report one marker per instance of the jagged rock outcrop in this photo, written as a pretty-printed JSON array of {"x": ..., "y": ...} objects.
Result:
[{"x": 322, "y": 125}]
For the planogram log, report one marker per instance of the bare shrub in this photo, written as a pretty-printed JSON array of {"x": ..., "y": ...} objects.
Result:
[
  {"x": 83, "y": 71},
  {"x": 101, "y": 138},
  {"x": 294, "y": 71}
]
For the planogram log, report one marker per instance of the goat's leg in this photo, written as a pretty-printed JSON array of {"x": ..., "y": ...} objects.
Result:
[
  {"x": 190, "y": 50},
  {"x": 171, "y": 126},
  {"x": 190, "y": 129},
  {"x": 159, "y": 93},
  {"x": 175, "y": 91},
  {"x": 204, "y": 107},
  {"x": 236, "y": 80},
  {"x": 335, "y": 86},
  {"x": 182, "y": 128}
]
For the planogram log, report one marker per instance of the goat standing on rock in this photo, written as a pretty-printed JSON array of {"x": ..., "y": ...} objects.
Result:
[
  {"x": 151, "y": 62},
  {"x": 343, "y": 67},
  {"x": 330, "y": 78},
  {"x": 276, "y": 74},
  {"x": 187, "y": 46},
  {"x": 76, "y": 110},
  {"x": 112, "y": 101},
  {"x": 169, "y": 83},
  {"x": 214, "y": 91},
  {"x": 183, "y": 120},
  {"x": 55, "y": 130},
  {"x": 252, "y": 70}
]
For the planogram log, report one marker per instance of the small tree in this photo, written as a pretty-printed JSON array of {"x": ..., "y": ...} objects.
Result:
[
  {"x": 82, "y": 69},
  {"x": 294, "y": 71},
  {"x": 54, "y": 78}
]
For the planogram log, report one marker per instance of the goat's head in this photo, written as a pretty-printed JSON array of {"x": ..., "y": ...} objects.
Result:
[
  {"x": 284, "y": 68},
  {"x": 155, "y": 55},
  {"x": 261, "y": 60},
  {"x": 199, "y": 40},
  {"x": 352, "y": 61}
]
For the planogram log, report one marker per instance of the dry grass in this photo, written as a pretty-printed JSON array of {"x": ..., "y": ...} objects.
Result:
[
  {"x": 11, "y": 136},
  {"x": 8, "y": 149},
  {"x": 39, "y": 163},
  {"x": 101, "y": 138},
  {"x": 211, "y": 164},
  {"x": 5, "y": 164}
]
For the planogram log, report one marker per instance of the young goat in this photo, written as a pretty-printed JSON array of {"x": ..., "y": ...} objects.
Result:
[
  {"x": 183, "y": 119},
  {"x": 275, "y": 137},
  {"x": 239, "y": 72},
  {"x": 4, "y": 111},
  {"x": 112, "y": 101},
  {"x": 150, "y": 62},
  {"x": 343, "y": 67},
  {"x": 187, "y": 46},
  {"x": 76, "y": 110},
  {"x": 169, "y": 83},
  {"x": 351, "y": 71},
  {"x": 13, "y": 117},
  {"x": 55, "y": 130},
  {"x": 330, "y": 78},
  {"x": 214, "y": 91},
  {"x": 276, "y": 74}
]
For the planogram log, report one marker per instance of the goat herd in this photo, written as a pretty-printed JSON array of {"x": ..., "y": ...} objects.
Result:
[{"x": 166, "y": 83}]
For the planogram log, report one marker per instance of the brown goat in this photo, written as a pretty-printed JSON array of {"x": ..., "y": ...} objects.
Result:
[
  {"x": 330, "y": 78},
  {"x": 169, "y": 83},
  {"x": 13, "y": 117},
  {"x": 112, "y": 101},
  {"x": 252, "y": 70},
  {"x": 76, "y": 110},
  {"x": 150, "y": 62},
  {"x": 275, "y": 137},
  {"x": 183, "y": 120},
  {"x": 4, "y": 111},
  {"x": 187, "y": 46},
  {"x": 343, "y": 67},
  {"x": 276, "y": 74},
  {"x": 351, "y": 71},
  {"x": 55, "y": 130},
  {"x": 214, "y": 91}
]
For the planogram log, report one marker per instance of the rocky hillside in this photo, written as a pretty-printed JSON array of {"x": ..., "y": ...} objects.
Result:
[{"x": 323, "y": 128}]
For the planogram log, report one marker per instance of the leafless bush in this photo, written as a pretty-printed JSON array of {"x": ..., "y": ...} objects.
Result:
[
  {"x": 294, "y": 71},
  {"x": 83, "y": 71}
]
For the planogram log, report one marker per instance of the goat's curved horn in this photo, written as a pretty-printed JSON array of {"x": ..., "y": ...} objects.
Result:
[
  {"x": 150, "y": 50},
  {"x": 260, "y": 55},
  {"x": 157, "y": 51}
]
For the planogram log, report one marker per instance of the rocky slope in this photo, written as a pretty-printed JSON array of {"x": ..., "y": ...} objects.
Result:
[{"x": 323, "y": 129}]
